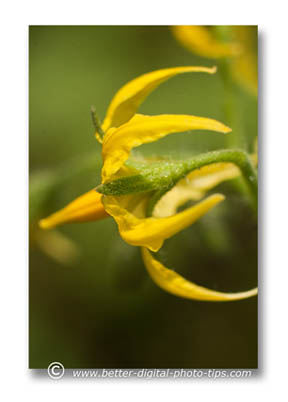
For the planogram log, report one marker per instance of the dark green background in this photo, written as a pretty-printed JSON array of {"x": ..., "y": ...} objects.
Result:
[{"x": 104, "y": 310}]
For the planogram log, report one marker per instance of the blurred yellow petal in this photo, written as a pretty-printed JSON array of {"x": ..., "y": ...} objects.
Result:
[
  {"x": 244, "y": 68},
  {"x": 151, "y": 232},
  {"x": 199, "y": 40},
  {"x": 241, "y": 50},
  {"x": 58, "y": 246},
  {"x": 85, "y": 208},
  {"x": 142, "y": 129},
  {"x": 127, "y": 100},
  {"x": 177, "y": 285}
]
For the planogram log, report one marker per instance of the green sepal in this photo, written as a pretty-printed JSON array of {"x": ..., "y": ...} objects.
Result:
[{"x": 149, "y": 177}]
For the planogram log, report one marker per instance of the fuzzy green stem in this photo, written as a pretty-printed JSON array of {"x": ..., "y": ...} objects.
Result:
[
  {"x": 237, "y": 157},
  {"x": 160, "y": 177}
]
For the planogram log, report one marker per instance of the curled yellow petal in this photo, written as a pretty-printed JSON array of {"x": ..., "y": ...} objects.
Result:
[
  {"x": 85, "y": 208},
  {"x": 127, "y": 100},
  {"x": 199, "y": 40},
  {"x": 177, "y": 285},
  {"x": 151, "y": 232},
  {"x": 142, "y": 129}
]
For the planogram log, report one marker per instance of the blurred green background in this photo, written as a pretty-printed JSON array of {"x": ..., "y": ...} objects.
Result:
[{"x": 101, "y": 309}]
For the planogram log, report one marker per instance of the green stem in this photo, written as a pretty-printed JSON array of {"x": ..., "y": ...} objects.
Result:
[{"x": 237, "y": 157}]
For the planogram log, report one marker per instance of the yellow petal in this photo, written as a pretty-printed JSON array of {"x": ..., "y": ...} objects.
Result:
[
  {"x": 151, "y": 232},
  {"x": 210, "y": 176},
  {"x": 142, "y": 129},
  {"x": 85, "y": 208},
  {"x": 127, "y": 100},
  {"x": 177, "y": 285},
  {"x": 199, "y": 40},
  {"x": 194, "y": 187}
]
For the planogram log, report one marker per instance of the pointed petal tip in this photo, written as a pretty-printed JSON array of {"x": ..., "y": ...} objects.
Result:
[
  {"x": 218, "y": 197},
  {"x": 42, "y": 224},
  {"x": 53, "y": 220},
  {"x": 46, "y": 224},
  {"x": 228, "y": 130}
]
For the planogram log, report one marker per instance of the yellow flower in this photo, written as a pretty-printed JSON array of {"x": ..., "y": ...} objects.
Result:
[
  {"x": 240, "y": 48},
  {"x": 124, "y": 130}
]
